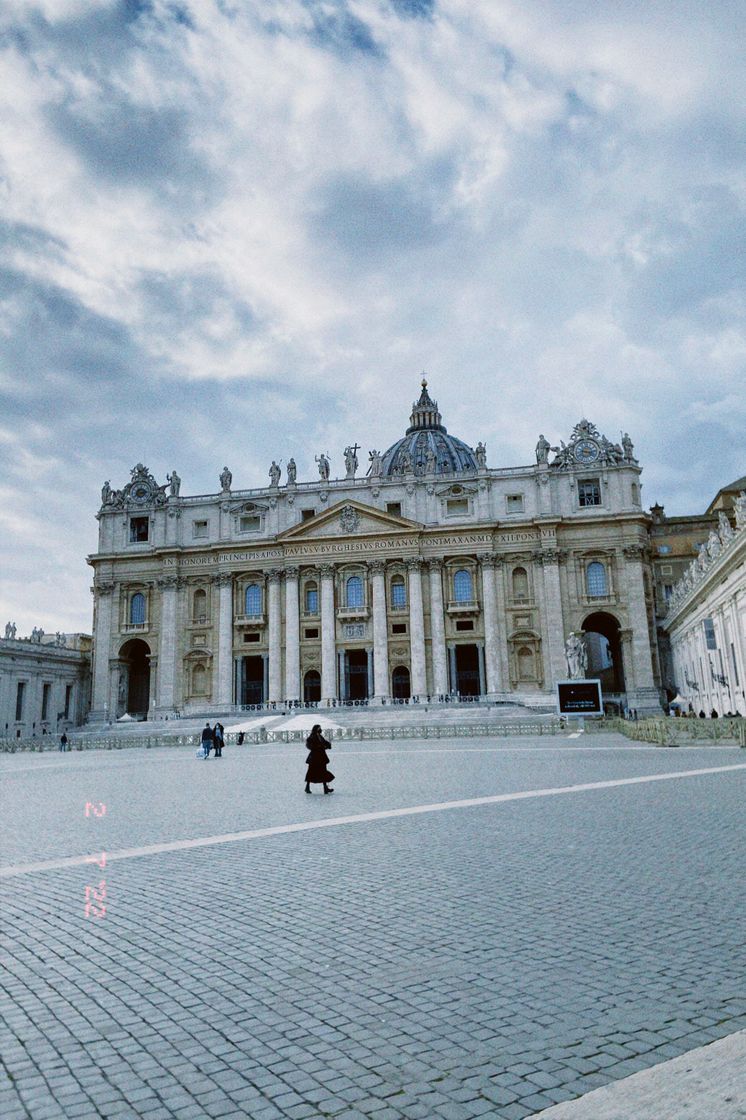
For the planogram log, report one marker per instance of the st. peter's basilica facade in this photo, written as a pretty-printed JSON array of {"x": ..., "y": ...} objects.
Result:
[{"x": 431, "y": 575}]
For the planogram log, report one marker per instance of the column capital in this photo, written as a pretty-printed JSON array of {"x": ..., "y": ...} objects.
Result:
[
  {"x": 434, "y": 565},
  {"x": 414, "y": 563},
  {"x": 377, "y": 567},
  {"x": 292, "y": 571},
  {"x": 488, "y": 561},
  {"x": 222, "y": 579},
  {"x": 104, "y": 588},
  {"x": 274, "y": 575},
  {"x": 167, "y": 583},
  {"x": 633, "y": 552},
  {"x": 326, "y": 571}
]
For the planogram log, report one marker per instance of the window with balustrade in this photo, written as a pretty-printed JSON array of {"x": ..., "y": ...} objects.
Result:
[
  {"x": 312, "y": 599},
  {"x": 354, "y": 590},
  {"x": 398, "y": 594},
  {"x": 253, "y": 599},
  {"x": 137, "y": 609},
  {"x": 596, "y": 583},
  {"x": 463, "y": 586}
]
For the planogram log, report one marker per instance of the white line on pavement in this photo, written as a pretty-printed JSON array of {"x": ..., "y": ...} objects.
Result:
[{"x": 360, "y": 818}]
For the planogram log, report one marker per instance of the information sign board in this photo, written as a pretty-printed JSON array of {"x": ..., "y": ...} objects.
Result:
[{"x": 579, "y": 698}]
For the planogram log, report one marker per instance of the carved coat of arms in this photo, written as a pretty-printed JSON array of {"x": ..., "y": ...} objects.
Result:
[{"x": 349, "y": 519}]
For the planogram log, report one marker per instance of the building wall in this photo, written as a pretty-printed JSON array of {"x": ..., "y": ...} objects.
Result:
[{"x": 33, "y": 665}]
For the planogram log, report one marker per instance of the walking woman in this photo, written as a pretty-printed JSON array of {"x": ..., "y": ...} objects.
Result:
[{"x": 318, "y": 760}]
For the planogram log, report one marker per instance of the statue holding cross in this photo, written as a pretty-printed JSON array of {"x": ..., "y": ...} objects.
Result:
[{"x": 351, "y": 460}]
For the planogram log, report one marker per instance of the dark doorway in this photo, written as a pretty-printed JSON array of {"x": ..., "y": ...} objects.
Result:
[
  {"x": 134, "y": 678},
  {"x": 356, "y": 674},
  {"x": 252, "y": 680},
  {"x": 400, "y": 684},
  {"x": 312, "y": 686},
  {"x": 604, "y": 651},
  {"x": 467, "y": 670}
]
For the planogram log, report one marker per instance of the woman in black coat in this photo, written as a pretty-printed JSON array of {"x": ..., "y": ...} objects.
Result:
[{"x": 318, "y": 760}]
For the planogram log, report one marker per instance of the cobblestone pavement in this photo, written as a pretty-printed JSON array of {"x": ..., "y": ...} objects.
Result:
[{"x": 489, "y": 960}]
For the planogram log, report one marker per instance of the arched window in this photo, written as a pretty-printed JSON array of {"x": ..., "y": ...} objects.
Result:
[
  {"x": 253, "y": 599},
  {"x": 398, "y": 593},
  {"x": 463, "y": 587},
  {"x": 520, "y": 583},
  {"x": 199, "y": 610},
  {"x": 595, "y": 579},
  {"x": 400, "y": 683},
  {"x": 137, "y": 609},
  {"x": 199, "y": 680},
  {"x": 312, "y": 599},
  {"x": 354, "y": 592}
]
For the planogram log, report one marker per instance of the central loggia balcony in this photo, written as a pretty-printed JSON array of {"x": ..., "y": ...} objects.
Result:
[
  {"x": 463, "y": 606},
  {"x": 351, "y": 614},
  {"x": 250, "y": 619}
]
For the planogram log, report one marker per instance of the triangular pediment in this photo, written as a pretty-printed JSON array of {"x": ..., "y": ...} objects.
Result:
[{"x": 350, "y": 519}]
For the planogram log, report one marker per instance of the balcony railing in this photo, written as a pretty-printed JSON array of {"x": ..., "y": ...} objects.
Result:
[
  {"x": 463, "y": 606},
  {"x": 346, "y": 614},
  {"x": 134, "y": 627},
  {"x": 250, "y": 619}
]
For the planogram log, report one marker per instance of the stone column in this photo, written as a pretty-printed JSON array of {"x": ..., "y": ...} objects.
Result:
[
  {"x": 100, "y": 706},
  {"x": 371, "y": 683},
  {"x": 416, "y": 628},
  {"x": 553, "y": 619},
  {"x": 380, "y": 632},
  {"x": 292, "y": 635},
  {"x": 118, "y": 688},
  {"x": 224, "y": 661},
  {"x": 164, "y": 697},
  {"x": 274, "y": 630},
  {"x": 482, "y": 674},
  {"x": 491, "y": 629},
  {"x": 453, "y": 674},
  {"x": 437, "y": 628},
  {"x": 502, "y": 623},
  {"x": 647, "y": 696},
  {"x": 328, "y": 634}
]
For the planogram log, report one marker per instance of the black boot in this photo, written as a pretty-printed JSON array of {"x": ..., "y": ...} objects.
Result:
[{"x": 327, "y": 789}]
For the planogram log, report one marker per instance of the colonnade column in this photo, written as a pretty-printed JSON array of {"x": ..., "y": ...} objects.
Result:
[
  {"x": 292, "y": 635},
  {"x": 491, "y": 633},
  {"x": 328, "y": 634},
  {"x": 380, "y": 632},
  {"x": 224, "y": 661},
  {"x": 502, "y": 643},
  {"x": 437, "y": 628},
  {"x": 101, "y": 651},
  {"x": 647, "y": 693},
  {"x": 416, "y": 628},
  {"x": 167, "y": 644},
  {"x": 274, "y": 629}
]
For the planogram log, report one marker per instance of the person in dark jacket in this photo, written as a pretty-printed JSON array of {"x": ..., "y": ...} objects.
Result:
[
  {"x": 240, "y": 738},
  {"x": 207, "y": 739},
  {"x": 318, "y": 760},
  {"x": 218, "y": 739},
  {"x": 63, "y": 742}
]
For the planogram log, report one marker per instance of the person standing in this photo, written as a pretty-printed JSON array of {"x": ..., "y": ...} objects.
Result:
[
  {"x": 218, "y": 739},
  {"x": 63, "y": 741},
  {"x": 206, "y": 740},
  {"x": 240, "y": 738},
  {"x": 318, "y": 760}
]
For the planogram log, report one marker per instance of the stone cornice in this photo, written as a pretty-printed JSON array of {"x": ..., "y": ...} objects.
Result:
[{"x": 728, "y": 560}]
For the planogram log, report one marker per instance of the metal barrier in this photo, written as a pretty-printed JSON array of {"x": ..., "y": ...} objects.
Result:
[
  {"x": 296, "y": 735},
  {"x": 674, "y": 732}
]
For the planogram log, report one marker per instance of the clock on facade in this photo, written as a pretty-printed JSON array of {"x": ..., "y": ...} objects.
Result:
[
  {"x": 586, "y": 451},
  {"x": 140, "y": 493}
]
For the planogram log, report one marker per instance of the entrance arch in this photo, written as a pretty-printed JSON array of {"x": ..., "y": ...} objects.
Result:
[
  {"x": 312, "y": 686},
  {"x": 134, "y": 678},
  {"x": 604, "y": 645},
  {"x": 401, "y": 688}
]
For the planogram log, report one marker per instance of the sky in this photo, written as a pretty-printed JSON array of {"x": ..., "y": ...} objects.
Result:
[{"x": 240, "y": 231}]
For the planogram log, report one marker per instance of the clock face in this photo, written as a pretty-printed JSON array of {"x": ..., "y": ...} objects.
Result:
[
  {"x": 586, "y": 451},
  {"x": 140, "y": 493}
]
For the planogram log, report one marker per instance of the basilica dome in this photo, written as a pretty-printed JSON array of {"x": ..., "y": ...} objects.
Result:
[{"x": 427, "y": 448}]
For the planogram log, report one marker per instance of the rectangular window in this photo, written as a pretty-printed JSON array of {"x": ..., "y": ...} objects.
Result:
[
  {"x": 514, "y": 503},
  {"x": 457, "y": 507},
  {"x": 68, "y": 700},
  {"x": 311, "y": 632},
  {"x": 20, "y": 692},
  {"x": 589, "y": 492},
  {"x": 138, "y": 529},
  {"x": 251, "y": 637},
  {"x": 45, "y": 694},
  {"x": 710, "y": 639},
  {"x": 394, "y": 507},
  {"x": 667, "y": 591},
  {"x": 249, "y": 524},
  {"x": 465, "y": 624},
  {"x": 666, "y": 570},
  {"x": 399, "y": 628},
  {"x": 307, "y": 514},
  {"x": 312, "y": 600},
  {"x": 200, "y": 529}
]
